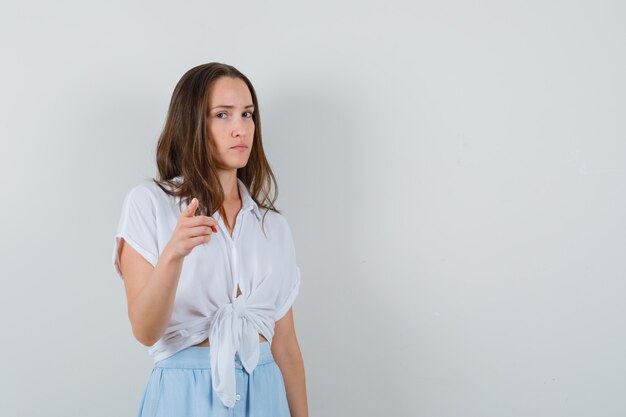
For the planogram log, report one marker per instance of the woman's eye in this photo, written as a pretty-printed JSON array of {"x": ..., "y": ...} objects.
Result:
[{"x": 218, "y": 115}]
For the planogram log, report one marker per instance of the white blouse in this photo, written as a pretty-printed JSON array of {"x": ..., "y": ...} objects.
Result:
[{"x": 206, "y": 305}]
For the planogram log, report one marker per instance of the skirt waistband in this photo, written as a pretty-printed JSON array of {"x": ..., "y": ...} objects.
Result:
[{"x": 197, "y": 357}]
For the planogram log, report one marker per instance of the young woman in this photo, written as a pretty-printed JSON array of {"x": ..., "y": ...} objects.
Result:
[{"x": 208, "y": 263}]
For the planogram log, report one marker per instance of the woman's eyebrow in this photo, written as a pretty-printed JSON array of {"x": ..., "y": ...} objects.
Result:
[{"x": 230, "y": 106}]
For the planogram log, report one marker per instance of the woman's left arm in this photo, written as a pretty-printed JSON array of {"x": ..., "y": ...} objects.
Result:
[{"x": 288, "y": 357}]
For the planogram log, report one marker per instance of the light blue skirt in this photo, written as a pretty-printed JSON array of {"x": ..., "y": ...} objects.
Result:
[{"x": 180, "y": 386}]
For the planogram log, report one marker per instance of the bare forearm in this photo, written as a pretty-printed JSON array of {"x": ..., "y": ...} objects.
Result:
[
  {"x": 292, "y": 368},
  {"x": 151, "y": 310}
]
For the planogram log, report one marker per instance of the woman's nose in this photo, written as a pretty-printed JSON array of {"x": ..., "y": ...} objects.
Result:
[{"x": 238, "y": 128}]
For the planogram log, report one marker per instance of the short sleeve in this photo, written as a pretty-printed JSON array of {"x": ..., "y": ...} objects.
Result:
[
  {"x": 291, "y": 296},
  {"x": 137, "y": 226},
  {"x": 292, "y": 287}
]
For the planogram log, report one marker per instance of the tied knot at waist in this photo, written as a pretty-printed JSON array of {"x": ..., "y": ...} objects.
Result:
[
  {"x": 239, "y": 306},
  {"x": 235, "y": 328}
]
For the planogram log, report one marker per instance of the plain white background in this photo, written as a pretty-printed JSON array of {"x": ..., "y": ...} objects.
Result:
[{"x": 453, "y": 173}]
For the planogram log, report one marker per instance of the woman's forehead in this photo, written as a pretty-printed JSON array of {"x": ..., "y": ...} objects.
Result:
[{"x": 227, "y": 91}]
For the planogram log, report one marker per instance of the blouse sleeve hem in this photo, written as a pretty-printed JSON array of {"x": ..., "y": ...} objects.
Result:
[
  {"x": 280, "y": 313},
  {"x": 147, "y": 255}
]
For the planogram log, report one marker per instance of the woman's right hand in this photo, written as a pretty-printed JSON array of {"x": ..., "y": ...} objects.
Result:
[{"x": 191, "y": 230}]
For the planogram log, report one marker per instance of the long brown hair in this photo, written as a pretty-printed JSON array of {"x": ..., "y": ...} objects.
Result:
[{"x": 183, "y": 147}]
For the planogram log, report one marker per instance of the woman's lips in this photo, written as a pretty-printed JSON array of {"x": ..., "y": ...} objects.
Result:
[{"x": 239, "y": 148}]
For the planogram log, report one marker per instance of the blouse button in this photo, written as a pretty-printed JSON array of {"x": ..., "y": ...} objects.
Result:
[{"x": 238, "y": 397}]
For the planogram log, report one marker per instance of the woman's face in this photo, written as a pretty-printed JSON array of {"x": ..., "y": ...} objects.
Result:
[{"x": 230, "y": 123}]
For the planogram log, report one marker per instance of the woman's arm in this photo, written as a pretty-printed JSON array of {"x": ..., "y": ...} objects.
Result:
[
  {"x": 288, "y": 357},
  {"x": 150, "y": 291}
]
